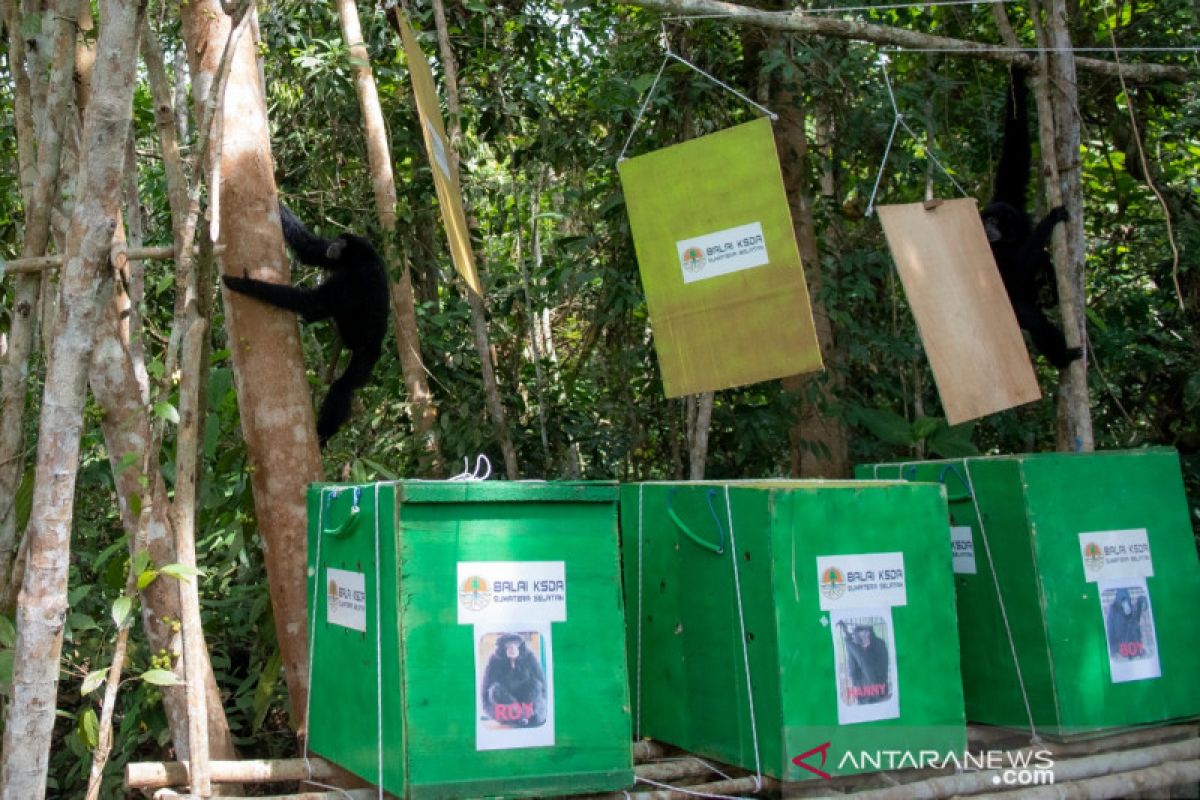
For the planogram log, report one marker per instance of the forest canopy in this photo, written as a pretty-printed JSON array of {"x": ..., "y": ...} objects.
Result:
[{"x": 541, "y": 99}]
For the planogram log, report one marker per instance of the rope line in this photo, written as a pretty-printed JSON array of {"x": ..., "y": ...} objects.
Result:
[
  {"x": 898, "y": 121},
  {"x": 1012, "y": 645},
  {"x": 668, "y": 55},
  {"x": 1033, "y": 50},
  {"x": 737, "y": 586},
  {"x": 312, "y": 632}
]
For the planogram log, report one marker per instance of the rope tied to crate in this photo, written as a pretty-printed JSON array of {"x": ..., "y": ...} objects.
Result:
[
  {"x": 741, "y": 627},
  {"x": 968, "y": 482},
  {"x": 325, "y": 503}
]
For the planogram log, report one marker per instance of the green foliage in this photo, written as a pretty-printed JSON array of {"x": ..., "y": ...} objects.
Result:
[{"x": 550, "y": 91}]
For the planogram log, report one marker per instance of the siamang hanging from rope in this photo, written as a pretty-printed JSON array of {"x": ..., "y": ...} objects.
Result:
[
  {"x": 1018, "y": 246},
  {"x": 354, "y": 295}
]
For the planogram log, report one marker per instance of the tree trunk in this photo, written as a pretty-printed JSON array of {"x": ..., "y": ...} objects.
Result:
[
  {"x": 818, "y": 440},
  {"x": 43, "y": 602},
  {"x": 126, "y": 433},
  {"x": 479, "y": 326},
  {"x": 1058, "y": 127},
  {"x": 701, "y": 422},
  {"x": 14, "y": 371},
  {"x": 404, "y": 307},
  {"x": 276, "y": 412}
]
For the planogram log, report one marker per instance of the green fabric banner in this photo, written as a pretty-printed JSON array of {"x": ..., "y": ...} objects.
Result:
[{"x": 719, "y": 263}]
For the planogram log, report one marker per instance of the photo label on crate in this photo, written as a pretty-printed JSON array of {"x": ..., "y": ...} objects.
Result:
[
  {"x": 864, "y": 663},
  {"x": 514, "y": 680},
  {"x": 505, "y": 591},
  {"x": 1108, "y": 555},
  {"x": 962, "y": 550},
  {"x": 863, "y": 580},
  {"x": 723, "y": 252},
  {"x": 347, "y": 604},
  {"x": 1129, "y": 630}
]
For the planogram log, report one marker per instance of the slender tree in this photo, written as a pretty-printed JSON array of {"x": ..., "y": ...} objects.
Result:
[{"x": 43, "y": 602}]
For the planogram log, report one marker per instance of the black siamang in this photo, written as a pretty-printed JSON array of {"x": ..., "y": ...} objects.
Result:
[
  {"x": 355, "y": 295},
  {"x": 1018, "y": 246},
  {"x": 514, "y": 688}
]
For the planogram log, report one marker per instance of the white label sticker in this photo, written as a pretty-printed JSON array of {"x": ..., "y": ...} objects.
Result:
[
  {"x": 1110, "y": 555},
  {"x": 439, "y": 149},
  {"x": 861, "y": 581},
  {"x": 962, "y": 550},
  {"x": 864, "y": 661},
  {"x": 1129, "y": 630},
  {"x": 504, "y": 591},
  {"x": 514, "y": 682},
  {"x": 347, "y": 592},
  {"x": 723, "y": 252}
]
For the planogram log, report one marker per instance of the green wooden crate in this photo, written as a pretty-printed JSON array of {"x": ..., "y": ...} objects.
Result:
[
  {"x": 1048, "y": 640},
  {"x": 730, "y": 585},
  {"x": 467, "y": 637}
]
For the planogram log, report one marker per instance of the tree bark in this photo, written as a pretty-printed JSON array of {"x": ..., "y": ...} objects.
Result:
[
  {"x": 276, "y": 412},
  {"x": 14, "y": 371},
  {"x": 404, "y": 307},
  {"x": 1058, "y": 127},
  {"x": 818, "y": 439},
  {"x": 799, "y": 22},
  {"x": 43, "y": 602},
  {"x": 479, "y": 326},
  {"x": 127, "y": 435},
  {"x": 701, "y": 423}
]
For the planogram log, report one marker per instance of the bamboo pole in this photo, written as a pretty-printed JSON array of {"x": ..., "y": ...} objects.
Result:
[
  {"x": 342, "y": 794},
  {"x": 158, "y": 774},
  {"x": 725, "y": 788},
  {"x": 1075, "y": 769},
  {"x": 1126, "y": 784},
  {"x": 19, "y": 266}
]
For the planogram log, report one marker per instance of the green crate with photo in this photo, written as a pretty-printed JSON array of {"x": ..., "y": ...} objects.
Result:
[
  {"x": 776, "y": 622},
  {"x": 467, "y": 637},
  {"x": 1077, "y": 583}
]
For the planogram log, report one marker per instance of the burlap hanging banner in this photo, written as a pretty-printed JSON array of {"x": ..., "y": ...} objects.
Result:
[
  {"x": 966, "y": 322},
  {"x": 719, "y": 264},
  {"x": 445, "y": 176}
]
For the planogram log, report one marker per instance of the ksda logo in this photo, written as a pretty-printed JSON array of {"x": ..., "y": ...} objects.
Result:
[
  {"x": 693, "y": 259},
  {"x": 833, "y": 583},
  {"x": 474, "y": 593},
  {"x": 1093, "y": 556}
]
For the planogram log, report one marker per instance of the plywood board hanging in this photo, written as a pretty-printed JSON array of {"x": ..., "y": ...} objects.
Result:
[
  {"x": 719, "y": 263},
  {"x": 979, "y": 359},
  {"x": 438, "y": 147}
]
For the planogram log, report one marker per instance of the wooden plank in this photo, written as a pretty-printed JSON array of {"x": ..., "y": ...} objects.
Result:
[{"x": 968, "y": 327}]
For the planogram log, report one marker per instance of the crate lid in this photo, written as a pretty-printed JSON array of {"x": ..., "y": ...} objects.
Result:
[{"x": 423, "y": 491}]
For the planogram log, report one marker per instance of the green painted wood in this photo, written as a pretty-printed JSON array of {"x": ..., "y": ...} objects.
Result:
[
  {"x": 1033, "y": 509},
  {"x": 429, "y": 680},
  {"x": 685, "y": 640}
]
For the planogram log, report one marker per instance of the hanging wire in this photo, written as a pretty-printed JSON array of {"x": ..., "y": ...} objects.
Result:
[
  {"x": 668, "y": 55},
  {"x": 1034, "y": 50},
  {"x": 898, "y": 122}
]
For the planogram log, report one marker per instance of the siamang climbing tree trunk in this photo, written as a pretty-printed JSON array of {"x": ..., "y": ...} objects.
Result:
[
  {"x": 42, "y": 608},
  {"x": 491, "y": 387},
  {"x": 1058, "y": 119},
  {"x": 40, "y": 142},
  {"x": 273, "y": 397},
  {"x": 404, "y": 310}
]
